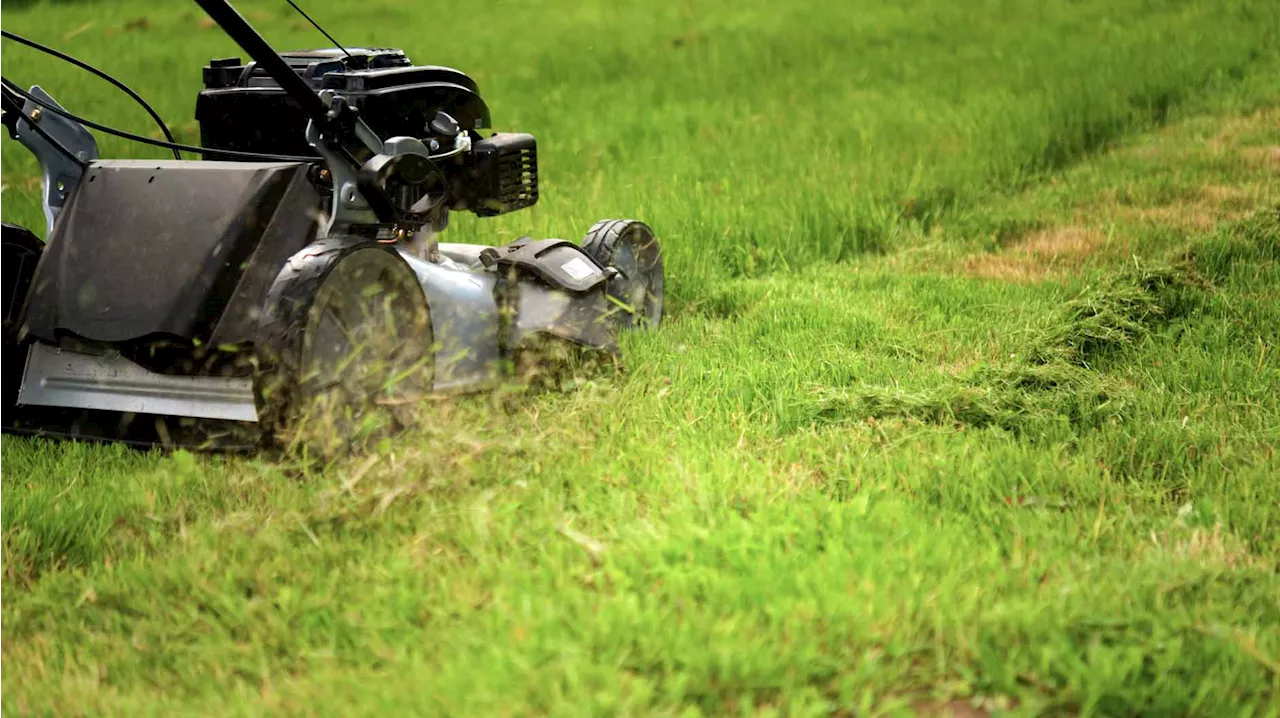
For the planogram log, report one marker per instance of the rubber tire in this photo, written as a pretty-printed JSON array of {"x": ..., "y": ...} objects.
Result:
[
  {"x": 630, "y": 246},
  {"x": 340, "y": 320}
]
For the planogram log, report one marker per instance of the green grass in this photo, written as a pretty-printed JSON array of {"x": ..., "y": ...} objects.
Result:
[{"x": 966, "y": 401}]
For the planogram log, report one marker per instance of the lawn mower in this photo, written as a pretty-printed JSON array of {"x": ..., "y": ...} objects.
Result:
[{"x": 294, "y": 271}]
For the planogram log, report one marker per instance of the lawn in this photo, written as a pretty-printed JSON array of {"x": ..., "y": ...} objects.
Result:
[{"x": 967, "y": 401}]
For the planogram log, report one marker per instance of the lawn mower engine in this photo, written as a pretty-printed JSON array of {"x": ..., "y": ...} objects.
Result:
[
  {"x": 291, "y": 286},
  {"x": 394, "y": 98}
]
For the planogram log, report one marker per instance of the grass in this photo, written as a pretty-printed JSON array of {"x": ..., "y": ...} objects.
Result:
[{"x": 966, "y": 402}]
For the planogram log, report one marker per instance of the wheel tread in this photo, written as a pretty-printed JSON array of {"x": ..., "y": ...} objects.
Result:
[
  {"x": 603, "y": 237},
  {"x": 601, "y": 241}
]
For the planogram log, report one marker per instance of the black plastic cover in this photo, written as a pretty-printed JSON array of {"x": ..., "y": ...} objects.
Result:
[
  {"x": 170, "y": 249},
  {"x": 557, "y": 262}
]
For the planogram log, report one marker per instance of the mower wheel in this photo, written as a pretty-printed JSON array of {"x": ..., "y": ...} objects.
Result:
[
  {"x": 629, "y": 246},
  {"x": 344, "y": 347}
]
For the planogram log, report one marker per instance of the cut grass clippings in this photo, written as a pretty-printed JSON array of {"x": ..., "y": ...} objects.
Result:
[{"x": 1054, "y": 376}]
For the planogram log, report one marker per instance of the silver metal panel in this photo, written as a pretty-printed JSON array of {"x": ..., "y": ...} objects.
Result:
[
  {"x": 57, "y": 377},
  {"x": 464, "y": 321}
]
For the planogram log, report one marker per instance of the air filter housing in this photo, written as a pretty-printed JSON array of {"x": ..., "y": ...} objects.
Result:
[{"x": 502, "y": 175}]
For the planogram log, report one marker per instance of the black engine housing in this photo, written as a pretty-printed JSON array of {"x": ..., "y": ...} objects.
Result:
[{"x": 243, "y": 109}]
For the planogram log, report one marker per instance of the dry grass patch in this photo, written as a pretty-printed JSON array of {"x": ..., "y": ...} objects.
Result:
[
  {"x": 1268, "y": 156},
  {"x": 1038, "y": 255},
  {"x": 1179, "y": 216},
  {"x": 1200, "y": 210},
  {"x": 1229, "y": 196},
  {"x": 1204, "y": 546},
  {"x": 1236, "y": 131},
  {"x": 1004, "y": 268},
  {"x": 973, "y": 708},
  {"x": 1067, "y": 243},
  {"x": 1247, "y": 142}
]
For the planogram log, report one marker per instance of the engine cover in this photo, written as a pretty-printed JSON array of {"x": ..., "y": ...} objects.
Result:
[{"x": 242, "y": 108}]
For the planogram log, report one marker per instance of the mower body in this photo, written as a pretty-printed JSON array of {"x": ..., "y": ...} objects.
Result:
[
  {"x": 151, "y": 313},
  {"x": 150, "y": 295}
]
